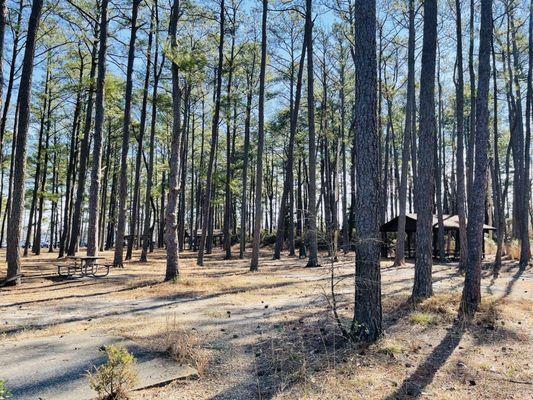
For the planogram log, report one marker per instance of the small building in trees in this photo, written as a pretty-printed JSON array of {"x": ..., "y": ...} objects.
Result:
[{"x": 451, "y": 230}]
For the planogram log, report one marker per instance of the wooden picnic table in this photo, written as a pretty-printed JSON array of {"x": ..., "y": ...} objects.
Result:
[{"x": 84, "y": 265}]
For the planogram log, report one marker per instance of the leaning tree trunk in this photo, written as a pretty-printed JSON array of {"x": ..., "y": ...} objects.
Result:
[
  {"x": 425, "y": 186},
  {"x": 171, "y": 217},
  {"x": 24, "y": 99},
  {"x": 254, "y": 264},
  {"x": 476, "y": 202},
  {"x": 366, "y": 323},
  {"x": 92, "y": 228}
]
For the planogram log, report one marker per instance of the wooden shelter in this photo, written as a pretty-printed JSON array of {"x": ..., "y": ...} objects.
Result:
[{"x": 451, "y": 231}]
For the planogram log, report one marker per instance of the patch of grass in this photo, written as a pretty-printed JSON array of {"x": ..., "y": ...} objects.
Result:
[
  {"x": 444, "y": 304},
  {"x": 424, "y": 319},
  {"x": 391, "y": 347},
  {"x": 489, "y": 312},
  {"x": 183, "y": 346}
]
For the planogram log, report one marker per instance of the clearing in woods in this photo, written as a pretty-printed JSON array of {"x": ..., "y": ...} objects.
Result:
[{"x": 270, "y": 334}]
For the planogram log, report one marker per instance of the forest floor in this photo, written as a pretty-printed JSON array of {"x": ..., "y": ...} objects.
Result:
[{"x": 271, "y": 335}]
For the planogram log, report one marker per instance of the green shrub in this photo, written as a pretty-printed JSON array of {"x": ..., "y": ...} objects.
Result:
[
  {"x": 4, "y": 391},
  {"x": 114, "y": 379},
  {"x": 423, "y": 318}
]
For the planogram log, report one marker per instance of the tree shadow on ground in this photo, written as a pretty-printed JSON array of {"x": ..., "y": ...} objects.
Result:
[{"x": 414, "y": 384}]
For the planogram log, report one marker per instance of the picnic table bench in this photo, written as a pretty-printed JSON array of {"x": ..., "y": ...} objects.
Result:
[{"x": 85, "y": 266}]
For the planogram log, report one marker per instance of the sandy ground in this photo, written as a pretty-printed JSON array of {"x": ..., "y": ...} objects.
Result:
[{"x": 270, "y": 334}]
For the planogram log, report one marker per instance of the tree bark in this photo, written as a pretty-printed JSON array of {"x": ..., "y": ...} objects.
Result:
[
  {"x": 244, "y": 203},
  {"x": 459, "y": 115},
  {"x": 147, "y": 231},
  {"x": 311, "y": 208},
  {"x": 471, "y": 297},
  {"x": 206, "y": 205},
  {"x": 171, "y": 217},
  {"x": 366, "y": 323},
  {"x": 525, "y": 249},
  {"x": 94, "y": 191},
  {"x": 123, "y": 180},
  {"x": 84, "y": 154},
  {"x": 289, "y": 174},
  {"x": 422, "y": 287},
  {"x": 409, "y": 107},
  {"x": 254, "y": 263},
  {"x": 24, "y": 99}
]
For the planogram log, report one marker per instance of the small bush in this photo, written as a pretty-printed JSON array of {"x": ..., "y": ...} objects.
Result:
[
  {"x": 113, "y": 380},
  {"x": 4, "y": 391}
]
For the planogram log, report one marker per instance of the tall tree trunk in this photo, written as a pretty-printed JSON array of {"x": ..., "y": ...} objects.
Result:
[
  {"x": 171, "y": 217},
  {"x": 246, "y": 156},
  {"x": 12, "y": 69},
  {"x": 409, "y": 107},
  {"x": 472, "y": 119},
  {"x": 3, "y": 23},
  {"x": 476, "y": 202},
  {"x": 227, "y": 191},
  {"x": 84, "y": 154},
  {"x": 289, "y": 174},
  {"x": 422, "y": 287},
  {"x": 123, "y": 180},
  {"x": 133, "y": 236},
  {"x": 499, "y": 198},
  {"x": 311, "y": 208},
  {"x": 39, "y": 216},
  {"x": 94, "y": 191},
  {"x": 206, "y": 206},
  {"x": 37, "y": 177},
  {"x": 439, "y": 163},
  {"x": 254, "y": 264},
  {"x": 525, "y": 250},
  {"x": 366, "y": 323},
  {"x": 24, "y": 99},
  {"x": 71, "y": 164},
  {"x": 459, "y": 115},
  {"x": 147, "y": 231}
]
